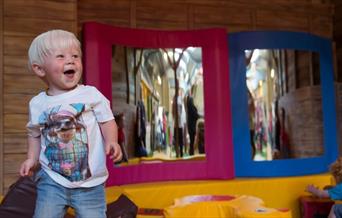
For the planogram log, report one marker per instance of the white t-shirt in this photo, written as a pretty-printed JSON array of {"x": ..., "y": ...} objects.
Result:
[{"x": 72, "y": 146}]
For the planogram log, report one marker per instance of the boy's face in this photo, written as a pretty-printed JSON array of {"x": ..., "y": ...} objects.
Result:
[{"x": 62, "y": 70}]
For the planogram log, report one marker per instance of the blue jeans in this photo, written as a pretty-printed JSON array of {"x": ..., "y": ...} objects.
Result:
[{"x": 54, "y": 199}]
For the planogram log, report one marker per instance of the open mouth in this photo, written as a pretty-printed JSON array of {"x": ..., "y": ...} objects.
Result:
[{"x": 69, "y": 72}]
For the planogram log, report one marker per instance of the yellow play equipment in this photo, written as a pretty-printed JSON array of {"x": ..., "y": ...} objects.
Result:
[
  {"x": 277, "y": 193},
  {"x": 236, "y": 207}
]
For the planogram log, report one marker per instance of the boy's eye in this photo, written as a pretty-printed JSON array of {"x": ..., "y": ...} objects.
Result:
[
  {"x": 75, "y": 56},
  {"x": 60, "y": 56}
]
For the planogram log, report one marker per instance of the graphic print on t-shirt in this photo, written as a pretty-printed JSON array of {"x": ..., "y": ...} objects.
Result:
[{"x": 66, "y": 141}]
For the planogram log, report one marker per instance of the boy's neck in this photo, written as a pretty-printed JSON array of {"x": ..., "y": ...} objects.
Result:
[{"x": 50, "y": 92}]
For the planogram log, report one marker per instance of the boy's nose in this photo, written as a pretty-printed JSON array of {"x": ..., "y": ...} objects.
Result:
[{"x": 70, "y": 60}]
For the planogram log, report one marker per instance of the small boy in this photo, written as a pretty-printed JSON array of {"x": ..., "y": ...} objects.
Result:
[
  {"x": 334, "y": 192},
  {"x": 71, "y": 129}
]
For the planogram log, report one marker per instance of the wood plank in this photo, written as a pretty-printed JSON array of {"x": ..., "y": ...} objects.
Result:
[
  {"x": 322, "y": 25},
  {"x": 15, "y": 123},
  {"x": 279, "y": 20},
  {"x": 231, "y": 28},
  {"x": 115, "y": 13},
  {"x": 16, "y": 103},
  {"x": 222, "y": 15},
  {"x": 20, "y": 26},
  {"x": 23, "y": 84},
  {"x": 32, "y": 9},
  {"x": 12, "y": 163},
  {"x": 132, "y": 12},
  {"x": 113, "y": 22},
  {"x": 104, "y": 9},
  {"x": 161, "y": 12},
  {"x": 15, "y": 143},
  {"x": 2, "y": 176},
  {"x": 298, "y": 6},
  {"x": 295, "y": 7},
  {"x": 16, "y": 65},
  {"x": 160, "y": 25},
  {"x": 17, "y": 45}
]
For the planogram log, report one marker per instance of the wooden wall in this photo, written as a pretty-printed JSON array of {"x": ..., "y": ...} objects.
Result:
[
  {"x": 314, "y": 16},
  {"x": 1, "y": 101},
  {"x": 21, "y": 20}
]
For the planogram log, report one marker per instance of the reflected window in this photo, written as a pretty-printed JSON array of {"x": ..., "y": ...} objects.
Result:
[
  {"x": 284, "y": 104},
  {"x": 160, "y": 94}
]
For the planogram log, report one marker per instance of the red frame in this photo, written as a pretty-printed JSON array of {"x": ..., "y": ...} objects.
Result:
[{"x": 98, "y": 40}]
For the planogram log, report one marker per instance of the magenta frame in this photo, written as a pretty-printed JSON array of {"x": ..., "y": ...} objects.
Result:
[{"x": 98, "y": 40}]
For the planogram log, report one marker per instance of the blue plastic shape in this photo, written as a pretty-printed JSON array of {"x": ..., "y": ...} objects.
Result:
[{"x": 244, "y": 165}]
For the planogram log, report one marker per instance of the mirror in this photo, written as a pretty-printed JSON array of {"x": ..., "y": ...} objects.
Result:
[
  {"x": 98, "y": 42},
  {"x": 284, "y": 104},
  {"x": 306, "y": 157},
  {"x": 145, "y": 84}
]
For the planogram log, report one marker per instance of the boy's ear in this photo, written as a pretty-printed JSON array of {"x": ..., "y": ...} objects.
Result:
[{"x": 38, "y": 70}]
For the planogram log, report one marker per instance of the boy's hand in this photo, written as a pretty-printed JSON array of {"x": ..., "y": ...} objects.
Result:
[
  {"x": 26, "y": 167},
  {"x": 114, "y": 151}
]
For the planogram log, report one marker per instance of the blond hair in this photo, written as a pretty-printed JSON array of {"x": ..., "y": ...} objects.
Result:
[{"x": 45, "y": 43}]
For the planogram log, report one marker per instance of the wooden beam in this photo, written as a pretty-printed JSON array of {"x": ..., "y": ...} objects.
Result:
[
  {"x": 133, "y": 14},
  {"x": 1, "y": 101}
]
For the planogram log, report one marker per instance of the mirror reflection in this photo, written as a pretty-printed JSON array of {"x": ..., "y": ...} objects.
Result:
[
  {"x": 284, "y": 104},
  {"x": 157, "y": 96}
]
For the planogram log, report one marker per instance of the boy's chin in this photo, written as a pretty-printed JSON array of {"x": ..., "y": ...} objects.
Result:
[{"x": 71, "y": 87}]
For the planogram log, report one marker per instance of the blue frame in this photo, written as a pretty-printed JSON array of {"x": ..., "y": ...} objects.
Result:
[{"x": 244, "y": 165}]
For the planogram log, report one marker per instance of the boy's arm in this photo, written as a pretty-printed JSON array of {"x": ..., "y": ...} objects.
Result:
[
  {"x": 317, "y": 192},
  {"x": 109, "y": 131},
  {"x": 32, "y": 155}
]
